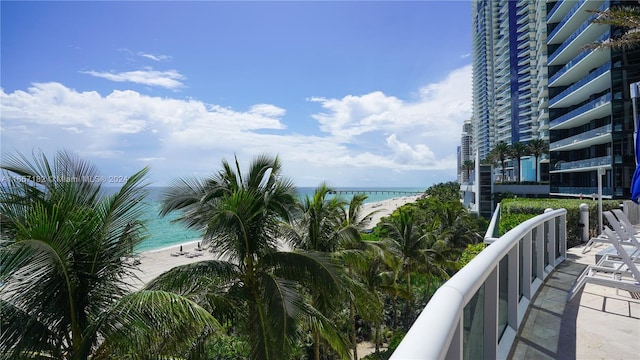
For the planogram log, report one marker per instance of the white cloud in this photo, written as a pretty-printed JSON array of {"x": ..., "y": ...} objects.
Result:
[
  {"x": 438, "y": 110},
  {"x": 150, "y": 159},
  {"x": 371, "y": 139},
  {"x": 169, "y": 79},
  {"x": 267, "y": 110},
  {"x": 155, "y": 57}
]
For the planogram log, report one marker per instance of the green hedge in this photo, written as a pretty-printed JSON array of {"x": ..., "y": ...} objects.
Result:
[{"x": 515, "y": 211}]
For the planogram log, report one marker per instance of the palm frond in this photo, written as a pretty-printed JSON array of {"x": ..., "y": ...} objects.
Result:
[
  {"x": 182, "y": 279},
  {"x": 283, "y": 309},
  {"x": 152, "y": 323},
  {"x": 22, "y": 334},
  {"x": 314, "y": 269},
  {"x": 62, "y": 255},
  {"x": 328, "y": 332},
  {"x": 367, "y": 301}
]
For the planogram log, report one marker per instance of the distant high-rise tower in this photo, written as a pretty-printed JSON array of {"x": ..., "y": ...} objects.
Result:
[
  {"x": 509, "y": 77},
  {"x": 482, "y": 74},
  {"x": 465, "y": 152}
]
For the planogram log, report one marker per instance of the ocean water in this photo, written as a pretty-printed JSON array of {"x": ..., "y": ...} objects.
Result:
[{"x": 164, "y": 232}]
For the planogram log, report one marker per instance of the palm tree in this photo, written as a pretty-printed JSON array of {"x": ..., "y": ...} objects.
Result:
[
  {"x": 405, "y": 240},
  {"x": 538, "y": 147},
  {"x": 64, "y": 293},
  {"x": 317, "y": 229},
  {"x": 319, "y": 221},
  {"x": 626, "y": 17},
  {"x": 353, "y": 253},
  {"x": 371, "y": 273},
  {"x": 500, "y": 154},
  {"x": 454, "y": 224},
  {"x": 518, "y": 150},
  {"x": 452, "y": 228},
  {"x": 467, "y": 166},
  {"x": 255, "y": 284}
]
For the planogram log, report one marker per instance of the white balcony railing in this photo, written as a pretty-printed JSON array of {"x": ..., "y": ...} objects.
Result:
[{"x": 477, "y": 313}]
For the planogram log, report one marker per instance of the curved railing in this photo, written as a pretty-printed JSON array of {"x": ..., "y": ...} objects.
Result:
[
  {"x": 566, "y": 18},
  {"x": 578, "y": 58},
  {"x": 577, "y": 32},
  {"x": 604, "y": 99},
  {"x": 477, "y": 313},
  {"x": 582, "y": 82}
]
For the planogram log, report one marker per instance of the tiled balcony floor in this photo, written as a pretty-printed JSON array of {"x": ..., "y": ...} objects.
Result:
[{"x": 599, "y": 323}]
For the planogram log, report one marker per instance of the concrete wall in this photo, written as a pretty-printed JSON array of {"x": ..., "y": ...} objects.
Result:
[{"x": 632, "y": 210}]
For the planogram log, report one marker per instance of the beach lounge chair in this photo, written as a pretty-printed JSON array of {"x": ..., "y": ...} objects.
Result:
[
  {"x": 626, "y": 224},
  {"x": 623, "y": 235},
  {"x": 619, "y": 271},
  {"x": 619, "y": 228}
]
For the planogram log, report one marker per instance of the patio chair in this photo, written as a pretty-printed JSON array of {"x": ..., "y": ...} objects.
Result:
[
  {"x": 620, "y": 230},
  {"x": 626, "y": 224},
  {"x": 619, "y": 271}
]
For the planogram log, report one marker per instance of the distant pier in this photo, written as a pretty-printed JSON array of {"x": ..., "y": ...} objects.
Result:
[{"x": 376, "y": 192}]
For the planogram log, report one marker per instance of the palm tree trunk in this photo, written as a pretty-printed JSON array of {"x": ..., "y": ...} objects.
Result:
[
  {"x": 316, "y": 344},
  {"x": 394, "y": 308},
  {"x": 407, "y": 314},
  {"x": 352, "y": 319},
  {"x": 427, "y": 294},
  {"x": 377, "y": 337},
  {"x": 257, "y": 308},
  {"x": 316, "y": 332}
]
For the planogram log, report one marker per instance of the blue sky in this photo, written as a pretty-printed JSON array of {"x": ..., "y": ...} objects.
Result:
[{"x": 352, "y": 93}]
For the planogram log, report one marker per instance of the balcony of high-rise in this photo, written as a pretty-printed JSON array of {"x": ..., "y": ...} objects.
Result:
[
  {"x": 579, "y": 114},
  {"x": 594, "y": 82},
  {"x": 586, "y": 33},
  {"x": 580, "y": 66},
  {"x": 558, "y": 11},
  {"x": 522, "y": 298},
  {"x": 600, "y": 135},
  {"x": 572, "y": 19},
  {"x": 588, "y": 164}
]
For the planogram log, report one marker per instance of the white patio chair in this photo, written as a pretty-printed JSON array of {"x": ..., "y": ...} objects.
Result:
[
  {"x": 619, "y": 271},
  {"x": 620, "y": 230},
  {"x": 626, "y": 224}
]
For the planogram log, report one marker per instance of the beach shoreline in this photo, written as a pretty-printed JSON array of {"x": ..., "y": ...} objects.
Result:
[{"x": 153, "y": 263}]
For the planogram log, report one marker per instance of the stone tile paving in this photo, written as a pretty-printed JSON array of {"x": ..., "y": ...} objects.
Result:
[{"x": 600, "y": 322}]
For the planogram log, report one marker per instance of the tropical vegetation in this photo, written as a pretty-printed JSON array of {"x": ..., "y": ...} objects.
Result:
[
  {"x": 514, "y": 211},
  {"x": 503, "y": 152},
  {"x": 625, "y": 17},
  {"x": 64, "y": 246},
  {"x": 467, "y": 167},
  {"x": 294, "y": 278}
]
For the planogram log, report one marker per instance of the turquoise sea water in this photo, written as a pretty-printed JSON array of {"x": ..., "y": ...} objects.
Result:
[{"x": 163, "y": 232}]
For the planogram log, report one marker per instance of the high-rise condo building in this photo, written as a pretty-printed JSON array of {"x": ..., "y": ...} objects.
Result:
[
  {"x": 590, "y": 111},
  {"x": 509, "y": 76},
  {"x": 465, "y": 153},
  {"x": 535, "y": 76},
  {"x": 482, "y": 50}
]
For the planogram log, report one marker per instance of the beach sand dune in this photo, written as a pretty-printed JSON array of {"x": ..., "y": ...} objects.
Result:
[{"x": 156, "y": 262}]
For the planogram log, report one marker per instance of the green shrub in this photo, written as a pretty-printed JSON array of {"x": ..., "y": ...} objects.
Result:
[
  {"x": 515, "y": 211},
  {"x": 470, "y": 252}
]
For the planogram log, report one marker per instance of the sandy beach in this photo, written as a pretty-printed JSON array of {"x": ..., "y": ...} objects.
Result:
[{"x": 156, "y": 262}]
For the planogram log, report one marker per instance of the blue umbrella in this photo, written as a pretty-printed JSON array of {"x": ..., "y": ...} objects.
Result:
[{"x": 635, "y": 181}]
